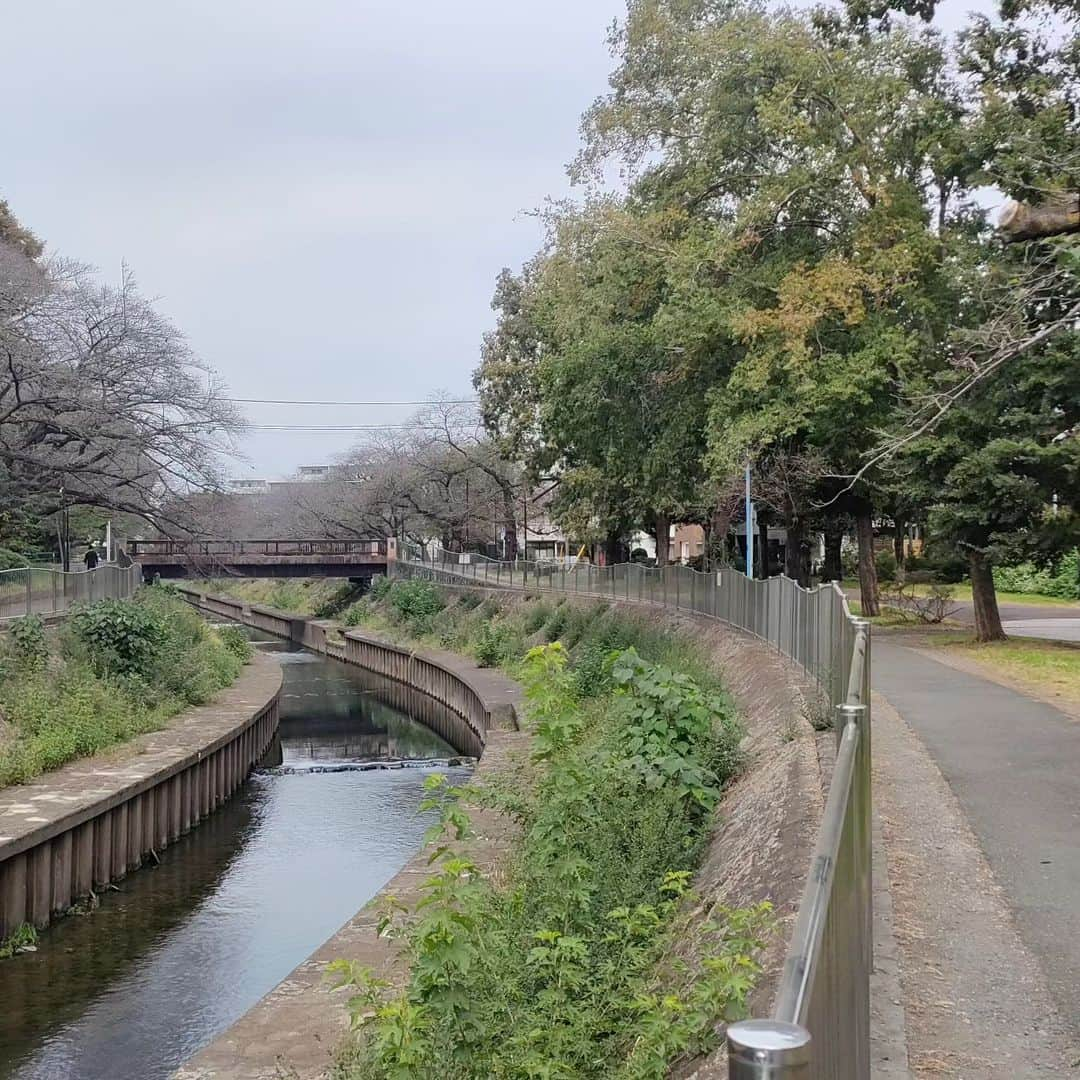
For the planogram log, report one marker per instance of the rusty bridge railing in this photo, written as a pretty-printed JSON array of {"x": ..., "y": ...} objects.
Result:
[{"x": 147, "y": 550}]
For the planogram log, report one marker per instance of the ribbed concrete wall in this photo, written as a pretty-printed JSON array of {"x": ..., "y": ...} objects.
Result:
[
  {"x": 423, "y": 671},
  {"x": 81, "y": 827}
]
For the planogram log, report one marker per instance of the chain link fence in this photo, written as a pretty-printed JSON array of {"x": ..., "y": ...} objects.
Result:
[{"x": 34, "y": 590}]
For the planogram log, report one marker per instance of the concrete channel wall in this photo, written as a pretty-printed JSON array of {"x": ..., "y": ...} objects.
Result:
[
  {"x": 91, "y": 822},
  {"x": 441, "y": 676}
]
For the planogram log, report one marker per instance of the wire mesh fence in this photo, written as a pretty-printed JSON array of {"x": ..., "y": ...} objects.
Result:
[
  {"x": 820, "y": 1025},
  {"x": 35, "y": 590}
]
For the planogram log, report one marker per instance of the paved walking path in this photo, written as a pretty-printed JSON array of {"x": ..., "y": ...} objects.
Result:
[{"x": 1013, "y": 764}]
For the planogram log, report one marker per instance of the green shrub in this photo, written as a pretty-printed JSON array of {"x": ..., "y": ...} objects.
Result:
[
  {"x": 118, "y": 636},
  {"x": 11, "y": 560},
  {"x": 357, "y": 613},
  {"x": 1061, "y": 581},
  {"x": 124, "y": 668},
  {"x": 286, "y": 596},
  {"x": 537, "y": 614},
  {"x": 336, "y": 602},
  {"x": 29, "y": 646},
  {"x": 380, "y": 587},
  {"x": 236, "y": 642},
  {"x": 559, "y": 971},
  {"x": 490, "y": 646},
  {"x": 885, "y": 564},
  {"x": 556, "y": 623},
  {"x": 416, "y": 603}
]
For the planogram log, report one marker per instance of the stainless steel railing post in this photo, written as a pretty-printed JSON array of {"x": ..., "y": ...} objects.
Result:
[{"x": 768, "y": 1050}]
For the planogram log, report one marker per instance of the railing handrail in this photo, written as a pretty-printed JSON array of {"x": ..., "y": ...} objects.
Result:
[{"x": 57, "y": 570}]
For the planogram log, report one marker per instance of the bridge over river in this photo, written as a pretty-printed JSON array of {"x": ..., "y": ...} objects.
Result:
[{"x": 353, "y": 558}]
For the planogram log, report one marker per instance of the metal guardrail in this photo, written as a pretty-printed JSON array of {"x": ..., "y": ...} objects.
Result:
[
  {"x": 35, "y": 590},
  {"x": 148, "y": 548},
  {"x": 820, "y": 1027}
]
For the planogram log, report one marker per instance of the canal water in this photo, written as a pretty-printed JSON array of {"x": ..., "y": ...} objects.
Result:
[{"x": 178, "y": 952}]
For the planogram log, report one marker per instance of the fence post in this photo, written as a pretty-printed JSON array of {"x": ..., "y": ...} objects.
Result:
[
  {"x": 29, "y": 591},
  {"x": 767, "y": 1050}
]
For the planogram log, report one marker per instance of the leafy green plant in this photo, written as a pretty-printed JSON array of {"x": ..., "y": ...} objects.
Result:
[
  {"x": 119, "y": 636},
  {"x": 124, "y": 668},
  {"x": 885, "y": 564},
  {"x": 566, "y": 967},
  {"x": 556, "y": 623},
  {"x": 673, "y": 731},
  {"x": 235, "y": 641},
  {"x": 1061, "y": 581},
  {"x": 29, "y": 644},
  {"x": 416, "y": 603},
  {"x": 336, "y": 602},
  {"x": 22, "y": 937},
  {"x": 380, "y": 587},
  {"x": 357, "y": 614},
  {"x": 490, "y": 646}
]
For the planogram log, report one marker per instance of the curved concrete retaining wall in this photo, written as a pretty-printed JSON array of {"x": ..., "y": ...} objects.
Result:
[
  {"x": 91, "y": 822},
  {"x": 442, "y": 676}
]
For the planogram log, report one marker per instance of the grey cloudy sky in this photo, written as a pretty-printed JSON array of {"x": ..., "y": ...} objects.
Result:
[{"x": 321, "y": 193}]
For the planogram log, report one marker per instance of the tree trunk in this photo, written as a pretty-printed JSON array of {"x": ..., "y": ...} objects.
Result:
[
  {"x": 833, "y": 568},
  {"x": 797, "y": 552},
  {"x": 868, "y": 587},
  {"x": 509, "y": 524},
  {"x": 1029, "y": 221},
  {"x": 763, "y": 546},
  {"x": 611, "y": 549},
  {"x": 898, "y": 545},
  {"x": 663, "y": 539},
  {"x": 984, "y": 596}
]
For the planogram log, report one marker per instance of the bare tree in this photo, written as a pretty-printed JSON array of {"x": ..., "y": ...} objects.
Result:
[{"x": 102, "y": 402}]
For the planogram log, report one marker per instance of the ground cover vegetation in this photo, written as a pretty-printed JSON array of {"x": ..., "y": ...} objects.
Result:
[
  {"x": 114, "y": 670},
  {"x": 565, "y": 965}
]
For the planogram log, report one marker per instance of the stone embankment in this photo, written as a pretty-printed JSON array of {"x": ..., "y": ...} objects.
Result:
[
  {"x": 766, "y": 826},
  {"x": 74, "y": 831}
]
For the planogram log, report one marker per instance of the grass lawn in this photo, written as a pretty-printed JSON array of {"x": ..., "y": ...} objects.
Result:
[
  {"x": 963, "y": 592},
  {"x": 1049, "y": 669},
  {"x": 888, "y": 617}
]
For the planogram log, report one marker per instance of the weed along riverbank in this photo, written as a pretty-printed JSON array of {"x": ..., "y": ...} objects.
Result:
[
  {"x": 614, "y": 885},
  {"x": 86, "y": 794}
]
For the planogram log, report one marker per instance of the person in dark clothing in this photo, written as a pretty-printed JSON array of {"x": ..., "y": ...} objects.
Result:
[{"x": 91, "y": 557}]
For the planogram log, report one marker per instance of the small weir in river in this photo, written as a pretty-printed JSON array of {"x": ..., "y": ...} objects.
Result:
[{"x": 178, "y": 952}]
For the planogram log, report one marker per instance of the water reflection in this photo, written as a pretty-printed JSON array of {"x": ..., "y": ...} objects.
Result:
[{"x": 182, "y": 950}]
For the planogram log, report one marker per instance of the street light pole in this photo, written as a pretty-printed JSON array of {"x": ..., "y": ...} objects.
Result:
[{"x": 749, "y": 526}]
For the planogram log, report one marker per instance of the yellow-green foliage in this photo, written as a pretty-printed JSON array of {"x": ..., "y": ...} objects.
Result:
[{"x": 117, "y": 669}]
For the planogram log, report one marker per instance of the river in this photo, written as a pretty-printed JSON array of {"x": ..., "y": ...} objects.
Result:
[{"x": 178, "y": 952}]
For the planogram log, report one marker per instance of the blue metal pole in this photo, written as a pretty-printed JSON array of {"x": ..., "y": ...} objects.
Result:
[{"x": 749, "y": 526}]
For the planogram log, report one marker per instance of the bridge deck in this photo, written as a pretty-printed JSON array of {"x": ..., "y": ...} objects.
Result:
[{"x": 261, "y": 558}]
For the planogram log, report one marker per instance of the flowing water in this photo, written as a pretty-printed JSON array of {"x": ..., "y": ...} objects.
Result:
[{"x": 180, "y": 951}]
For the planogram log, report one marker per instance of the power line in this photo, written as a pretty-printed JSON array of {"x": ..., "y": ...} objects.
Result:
[{"x": 288, "y": 401}]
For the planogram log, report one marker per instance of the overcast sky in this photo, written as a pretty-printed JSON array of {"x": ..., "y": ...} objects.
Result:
[{"x": 320, "y": 192}]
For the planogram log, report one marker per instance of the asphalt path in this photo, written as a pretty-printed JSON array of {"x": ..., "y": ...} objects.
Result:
[
  {"x": 1014, "y": 765},
  {"x": 1052, "y": 622}
]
